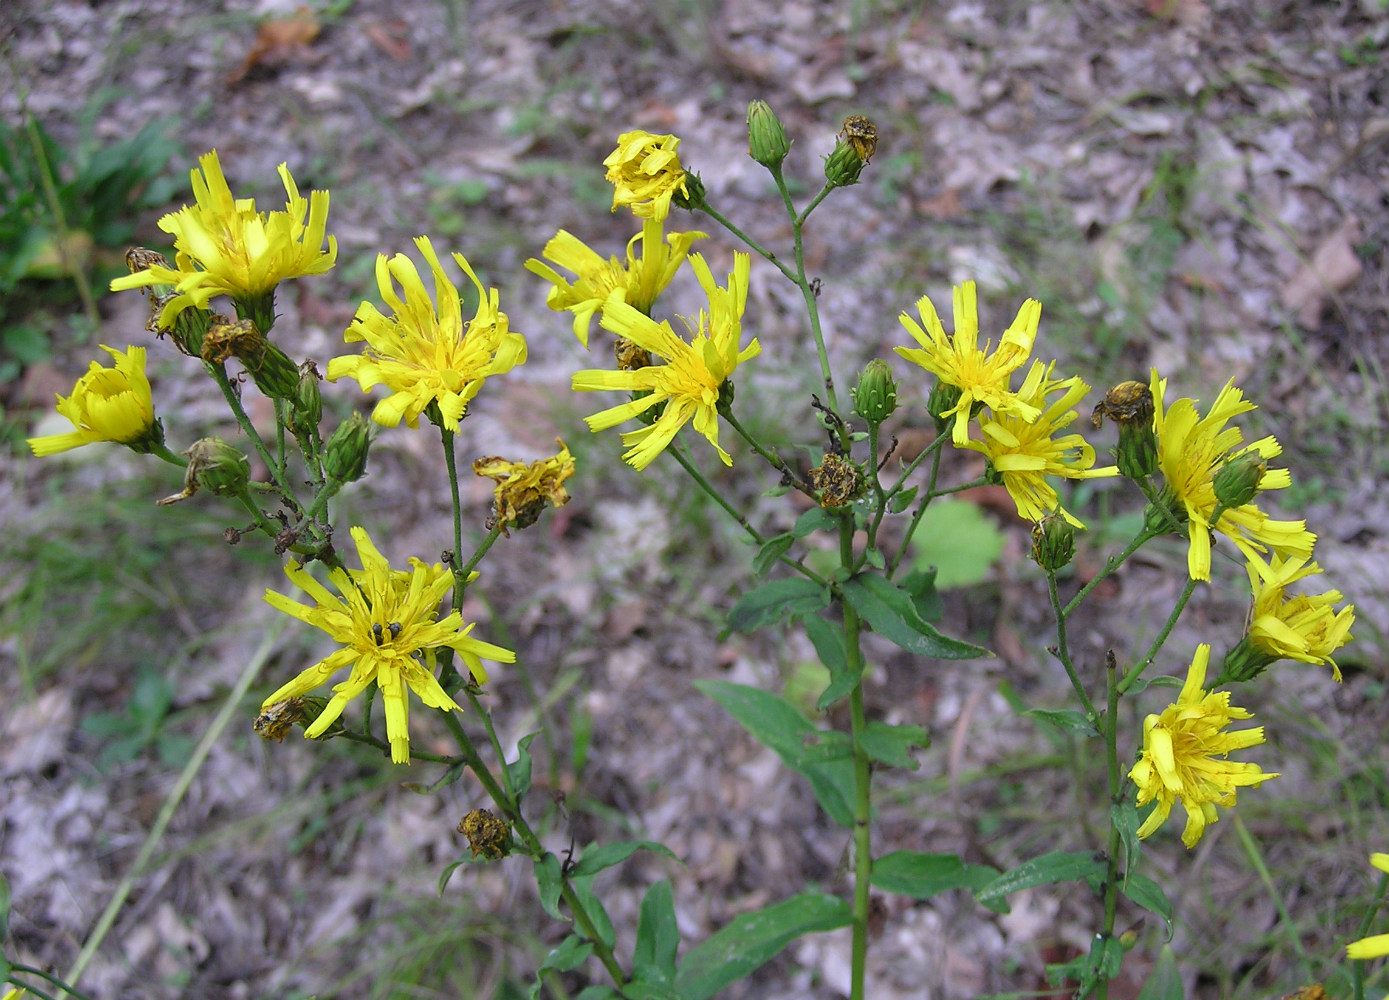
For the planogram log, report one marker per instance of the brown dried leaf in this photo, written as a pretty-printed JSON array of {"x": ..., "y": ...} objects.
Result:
[
  {"x": 1333, "y": 268},
  {"x": 280, "y": 41}
]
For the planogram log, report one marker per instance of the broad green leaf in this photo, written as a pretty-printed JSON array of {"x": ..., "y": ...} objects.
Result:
[
  {"x": 598, "y": 992},
  {"x": 653, "y": 958},
  {"x": 640, "y": 989},
  {"x": 893, "y": 616},
  {"x": 826, "y": 744},
  {"x": 921, "y": 586},
  {"x": 921, "y": 876},
  {"x": 874, "y": 558},
  {"x": 1104, "y": 961},
  {"x": 547, "y": 881},
  {"x": 519, "y": 770},
  {"x": 602, "y": 923},
  {"x": 569, "y": 954},
  {"x": 813, "y": 520},
  {"x": 772, "y": 550},
  {"x": 1059, "y": 866},
  {"x": 752, "y": 939},
  {"x": 595, "y": 860},
  {"x": 1124, "y": 818},
  {"x": 774, "y": 601},
  {"x": 893, "y": 744},
  {"x": 829, "y": 646},
  {"x": 1164, "y": 982},
  {"x": 960, "y": 540},
  {"x": 1066, "y": 720},
  {"x": 447, "y": 873},
  {"x": 1147, "y": 894},
  {"x": 775, "y": 722}
]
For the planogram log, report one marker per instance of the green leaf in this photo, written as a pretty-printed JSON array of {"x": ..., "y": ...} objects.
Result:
[
  {"x": 602, "y": 923},
  {"x": 598, "y": 992},
  {"x": 1104, "y": 961},
  {"x": 640, "y": 989},
  {"x": 1147, "y": 894},
  {"x": 960, "y": 540},
  {"x": 519, "y": 770},
  {"x": 773, "y": 601},
  {"x": 547, "y": 881},
  {"x": 1059, "y": 866},
  {"x": 569, "y": 954},
  {"x": 1124, "y": 818},
  {"x": 595, "y": 860},
  {"x": 893, "y": 616},
  {"x": 4, "y": 907},
  {"x": 775, "y": 723},
  {"x": 1066, "y": 720},
  {"x": 825, "y": 745},
  {"x": 902, "y": 500},
  {"x": 1164, "y": 982},
  {"x": 893, "y": 745},
  {"x": 752, "y": 939},
  {"x": 921, "y": 585},
  {"x": 658, "y": 936},
  {"x": 829, "y": 646},
  {"x": 813, "y": 520},
  {"x": 771, "y": 551},
  {"x": 921, "y": 876}
]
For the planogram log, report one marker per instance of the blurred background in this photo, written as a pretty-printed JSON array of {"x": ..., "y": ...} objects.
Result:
[{"x": 1195, "y": 186}]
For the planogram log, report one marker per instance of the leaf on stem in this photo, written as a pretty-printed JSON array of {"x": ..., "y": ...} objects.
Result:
[
  {"x": 921, "y": 876},
  {"x": 568, "y": 955},
  {"x": 752, "y": 939},
  {"x": 595, "y": 860},
  {"x": 893, "y": 615},
  {"x": 519, "y": 770},
  {"x": 658, "y": 936},
  {"x": 1059, "y": 866},
  {"x": 774, "y": 601},
  {"x": 829, "y": 646},
  {"x": 893, "y": 745}
]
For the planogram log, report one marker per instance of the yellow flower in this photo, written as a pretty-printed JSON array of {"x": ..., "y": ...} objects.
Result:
[
  {"x": 638, "y": 282},
  {"x": 424, "y": 355},
  {"x": 523, "y": 490},
  {"x": 1377, "y": 945},
  {"x": 689, "y": 382},
  {"x": 1191, "y": 450},
  {"x": 1300, "y": 627},
  {"x": 1023, "y": 452},
  {"x": 1184, "y": 751},
  {"x": 226, "y": 247},
  {"x": 383, "y": 620},
  {"x": 645, "y": 173},
  {"x": 981, "y": 377},
  {"x": 108, "y": 404}
]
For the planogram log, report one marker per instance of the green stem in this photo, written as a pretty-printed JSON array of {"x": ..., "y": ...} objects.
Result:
[
  {"x": 462, "y": 573},
  {"x": 814, "y": 204},
  {"x": 1110, "y": 731},
  {"x": 533, "y": 847},
  {"x": 919, "y": 513},
  {"x": 1141, "y": 665},
  {"x": 367, "y": 739},
  {"x": 751, "y": 243},
  {"x": 459, "y": 577},
  {"x": 678, "y": 454},
  {"x": 486, "y": 718},
  {"x": 1063, "y": 651},
  {"x": 812, "y": 305},
  {"x": 162, "y": 451},
  {"x": 1145, "y": 535},
  {"x": 769, "y": 456},
  {"x": 29, "y": 970},
  {"x": 219, "y": 375},
  {"x": 1256, "y": 858},
  {"x": 863, "y": 778}
]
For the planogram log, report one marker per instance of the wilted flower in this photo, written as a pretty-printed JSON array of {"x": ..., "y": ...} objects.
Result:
[
  {"x": 524, "y": 490},
  {"x": 645, "y": 173}
]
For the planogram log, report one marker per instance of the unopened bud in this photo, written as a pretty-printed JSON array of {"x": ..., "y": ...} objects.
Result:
[
  {"x": 767, "y": 142},
  {"x": 1130, "y": 405},
  {"x": 345, "y": 455},
  {"x": 875, "y": 396},
  {"x": 272, "y": 370},
  {"x": 488, "y": 836},
  {"x": 1053, "y": 542},
  {"x": 217, "y": 467},
  {"x": 692, "y": 198},
  {"x": 1245, "y": 662},
  {"x": 1237, "y": 481},
  {"x": 306, "y": 408},
  {"x": 941, "y": 403},
  {"x": 843, "y": 166}
]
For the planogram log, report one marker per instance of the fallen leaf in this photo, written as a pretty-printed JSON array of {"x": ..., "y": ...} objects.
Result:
[
  {"x": 279, "y": 41},
  {"x": 1333, "y": 268}
]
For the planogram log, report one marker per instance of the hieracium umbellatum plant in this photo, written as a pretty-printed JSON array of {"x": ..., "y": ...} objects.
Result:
[{"x": 666, "y": 385}]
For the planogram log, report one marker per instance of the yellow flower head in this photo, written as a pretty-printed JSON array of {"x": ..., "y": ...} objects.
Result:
[
  {"x": 1023, "y": 452},
  {"x": 426, "y": 355},
  {"x": 1377, "y": 945},
  {"x": 1184, "y": 751},
  {"x": 981, "y": 377},
  {"x": 108, "y": 404},
  {"x": 523, "y": 490},
  {"x": 645, "y": 173},
  {"x": 226, "y": 247},
  {"x": 690, "y": 380},
  {"x": 638, "y": 282},
  {"x": 384, "y": 619},
  {"x": 1191, "y": 450},
  {"x": 1299, "y": 627}
]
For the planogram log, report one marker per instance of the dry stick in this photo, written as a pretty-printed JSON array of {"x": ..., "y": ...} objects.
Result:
[{"x": 172, "y": 800}]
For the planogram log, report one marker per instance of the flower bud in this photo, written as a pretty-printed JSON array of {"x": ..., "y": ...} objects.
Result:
[
  {"x": 306, "y": 408},
  {"x": 1167, "y": 515},
  {"x": 488, "y": 836},
  {"x": 1053, "y": 542},
  {"x": 767, "y": 142},
  {"x": 692, "y": 197},
  {"x": 941, "y": 404},
  {"x": 1130, "y": 405},
  {"x": 272, "y": 370},
  {"x": 843, "y": 166},
  {"x": 345, "y": 455},
  {"x": 1237, "y": 481},
  {"x": 217, "y": 467},
  {"x": 1245, "y": 662},
  {"x": 839, "y": 481},
  {"x": 875, "y": 396}
]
